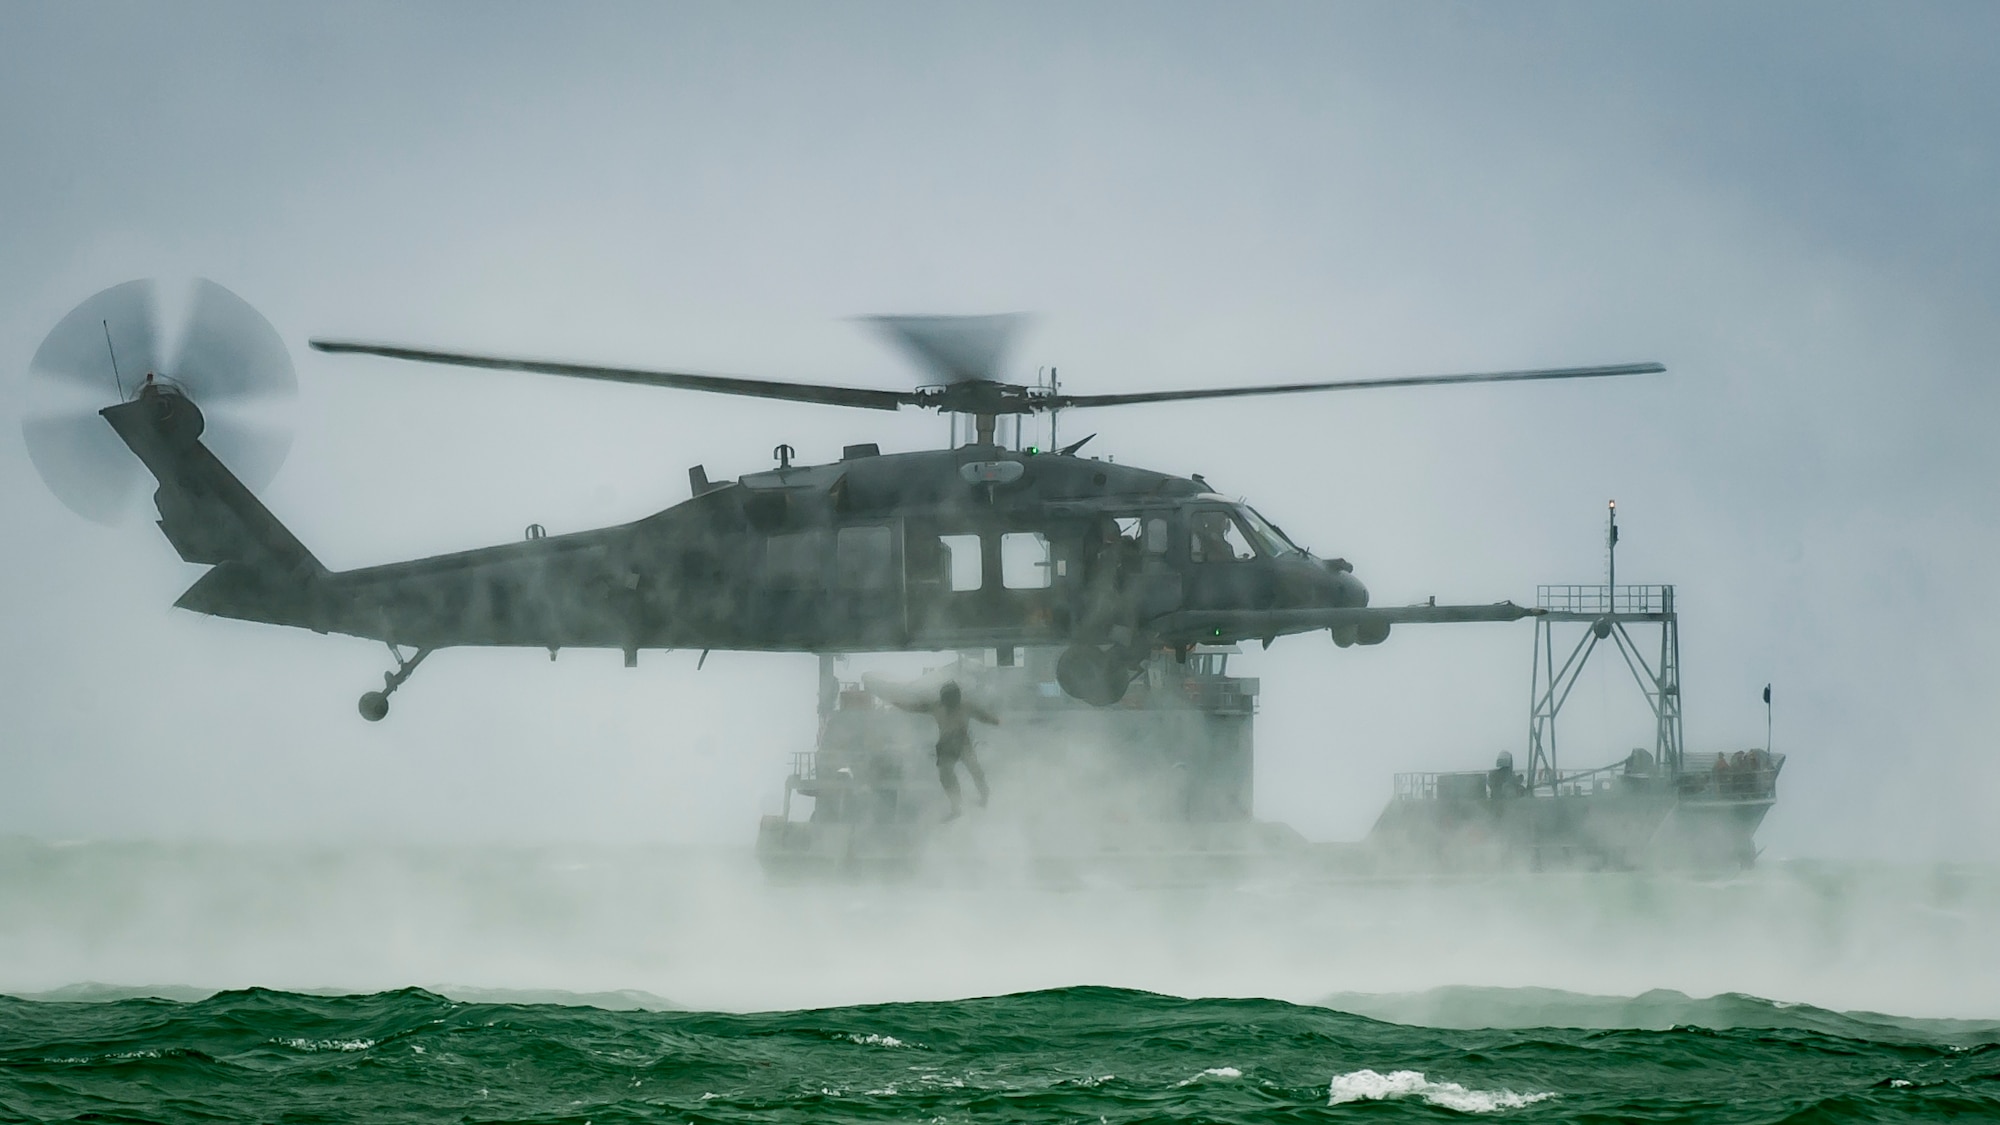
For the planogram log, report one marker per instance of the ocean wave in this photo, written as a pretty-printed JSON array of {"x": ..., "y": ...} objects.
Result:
[
  {"x": 1024, "y": 1057},
  {"x": 1369, "y": 1086}
]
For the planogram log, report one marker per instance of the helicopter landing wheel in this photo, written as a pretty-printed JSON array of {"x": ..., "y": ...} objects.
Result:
[
  {"x": 1093, "y": 675},
  {"x": 374, "y": 705}
]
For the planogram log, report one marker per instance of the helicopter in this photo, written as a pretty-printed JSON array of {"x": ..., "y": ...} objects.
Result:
[{"x": 977, "y": 545}]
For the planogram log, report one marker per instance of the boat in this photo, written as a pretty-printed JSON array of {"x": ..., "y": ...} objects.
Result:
[{"x": 1159, "y": 788}]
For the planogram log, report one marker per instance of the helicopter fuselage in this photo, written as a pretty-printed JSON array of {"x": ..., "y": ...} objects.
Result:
[{"x": 972, "y": 547}]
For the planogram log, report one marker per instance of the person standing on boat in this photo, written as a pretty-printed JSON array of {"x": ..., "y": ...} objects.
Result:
[{"x": 954, "y": 717}]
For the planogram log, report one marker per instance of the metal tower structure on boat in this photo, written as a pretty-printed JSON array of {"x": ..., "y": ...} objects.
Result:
[{"x": 1612, "y": 613}]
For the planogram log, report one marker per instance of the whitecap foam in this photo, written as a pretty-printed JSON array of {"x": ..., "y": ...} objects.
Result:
[
  {"x": 1367, "y": 1085},
  {"x": 1224, "y": 1072},
  {"x": 873, "y": 1040},
  {"x": 328, "y": 1044}
]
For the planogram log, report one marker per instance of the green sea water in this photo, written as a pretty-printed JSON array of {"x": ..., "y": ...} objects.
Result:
[
  {"x": 1076, "y": 1054},
  {"x": 268, "y": 983}
]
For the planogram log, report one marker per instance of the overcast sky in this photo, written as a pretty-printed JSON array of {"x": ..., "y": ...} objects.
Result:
[{"x": 1793, "y": 205}]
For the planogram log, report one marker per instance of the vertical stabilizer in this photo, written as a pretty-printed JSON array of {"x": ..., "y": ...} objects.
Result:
[{"x": 261, "y": 570}]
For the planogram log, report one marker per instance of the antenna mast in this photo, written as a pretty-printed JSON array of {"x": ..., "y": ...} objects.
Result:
[
  {"x": 1055, "y": 388},
  {"x": 115, "y": 376}
]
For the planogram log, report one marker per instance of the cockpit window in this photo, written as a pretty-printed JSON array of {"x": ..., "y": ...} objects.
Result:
[
  {"x": 1274, "y": 540},
  {"x": 1218, "y": 537}
]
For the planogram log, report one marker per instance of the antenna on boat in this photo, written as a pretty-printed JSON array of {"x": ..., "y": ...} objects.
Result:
[{"x": 1611, "y": 554}]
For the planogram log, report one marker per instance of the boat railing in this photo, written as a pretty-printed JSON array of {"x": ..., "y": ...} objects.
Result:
[
  {"x": 1435, "y": 784},
  {"x": 841, "y": 770},
  {"x": 1747, "y": 775},
  {"x": 1755, "y": 777},
  {"x": 1570, "y": 783},
  {"x": 1600, "y": 599},
  {"x": 1459, "y": 784}
]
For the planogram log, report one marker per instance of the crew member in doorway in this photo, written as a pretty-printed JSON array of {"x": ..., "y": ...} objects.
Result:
[
  {"x": 954, "y": 717},
  {"x": 1111, "y": 564}
]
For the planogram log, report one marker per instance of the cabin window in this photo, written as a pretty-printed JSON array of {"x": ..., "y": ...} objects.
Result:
[
  {"x": 962, "y": 568},
  {"x": 793, "y": 559},
  {"x": 1024, "y": 560},
  {"x": 864, "y": 557},
  {"x": 1156, "y": 536},
  {"x": 1218, "y": 538}
]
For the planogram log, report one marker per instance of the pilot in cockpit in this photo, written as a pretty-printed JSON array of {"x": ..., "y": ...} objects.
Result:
[{"x": 1211, "y": 538}]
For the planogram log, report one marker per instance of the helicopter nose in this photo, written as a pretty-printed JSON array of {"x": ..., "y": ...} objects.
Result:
[
  {"x": 1328, "y": 583},
  {"x": 1345, "y": 591}
]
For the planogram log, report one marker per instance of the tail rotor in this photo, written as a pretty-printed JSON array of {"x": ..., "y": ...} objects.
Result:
[{"x": 112, "y": 348}]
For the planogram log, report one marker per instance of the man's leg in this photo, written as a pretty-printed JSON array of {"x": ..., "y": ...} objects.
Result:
[
  {"x": 978, "y": 775},
  {"x": 948, "y": 777}
]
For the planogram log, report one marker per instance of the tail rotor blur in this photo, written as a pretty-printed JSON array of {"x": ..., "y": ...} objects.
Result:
[{"x": 229, "y": 361}]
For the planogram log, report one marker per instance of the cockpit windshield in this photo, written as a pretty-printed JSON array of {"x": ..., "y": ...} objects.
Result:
[{"x": 1272, "y": 540}]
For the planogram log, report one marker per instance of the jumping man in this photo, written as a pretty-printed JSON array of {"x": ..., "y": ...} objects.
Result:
[{"x": 954, "y": 744}]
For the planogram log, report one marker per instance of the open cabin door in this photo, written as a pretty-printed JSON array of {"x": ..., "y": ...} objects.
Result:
[{"x": 1130, "y": 574}]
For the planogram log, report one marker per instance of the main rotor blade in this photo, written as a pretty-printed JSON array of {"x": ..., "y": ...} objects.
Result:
[
  {"x": 864, "y": 397},
  {"x": 1066, "y": 402},
  {"x": 955, "y": 349}
]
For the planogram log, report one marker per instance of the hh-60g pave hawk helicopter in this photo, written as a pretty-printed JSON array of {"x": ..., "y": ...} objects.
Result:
[{"x": 978, "y": 546}]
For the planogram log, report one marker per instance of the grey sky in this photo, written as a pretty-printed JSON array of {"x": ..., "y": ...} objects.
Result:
[{"x": 1792, "y": 205}]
